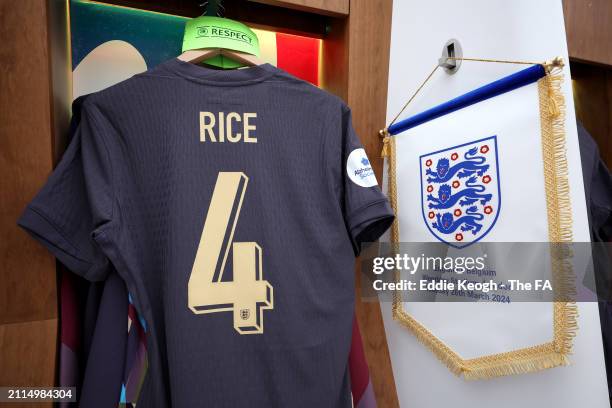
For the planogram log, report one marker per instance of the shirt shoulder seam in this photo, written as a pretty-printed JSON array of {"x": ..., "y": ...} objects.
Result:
[{"x": 108, "y": 157}]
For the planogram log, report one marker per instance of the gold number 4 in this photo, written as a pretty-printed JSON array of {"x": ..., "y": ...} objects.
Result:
[{"x": 248, "y": 295}]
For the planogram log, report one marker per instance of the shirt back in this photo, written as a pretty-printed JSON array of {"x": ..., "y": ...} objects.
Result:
[{"x": 232, "y": 203}]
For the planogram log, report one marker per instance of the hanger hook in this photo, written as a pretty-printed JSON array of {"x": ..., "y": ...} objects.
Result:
[{"x": 213, "y": 8}]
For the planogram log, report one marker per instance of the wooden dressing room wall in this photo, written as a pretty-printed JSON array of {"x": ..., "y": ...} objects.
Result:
[
  {"x": 34, "y": 108},
  {"x": 28, "y": 294},
  {"x": 589, "y": 41}
]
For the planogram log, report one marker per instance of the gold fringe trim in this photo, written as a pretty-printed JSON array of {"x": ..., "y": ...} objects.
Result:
[
  {"x": 565, "y": 314},
  {"x": 443, "y": 352},
  {"x": 535, "y": 359},
  {"x": 558, "y": 203}
]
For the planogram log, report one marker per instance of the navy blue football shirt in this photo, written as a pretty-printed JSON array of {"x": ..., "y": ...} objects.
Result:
[{"x": 232, "y": 203}]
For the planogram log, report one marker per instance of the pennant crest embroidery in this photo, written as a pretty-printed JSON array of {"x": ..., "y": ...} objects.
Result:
[{"x": 460, "y": 191}]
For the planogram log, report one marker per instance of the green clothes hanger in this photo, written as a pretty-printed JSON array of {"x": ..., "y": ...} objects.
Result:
[{"x": 218, "y": 41}]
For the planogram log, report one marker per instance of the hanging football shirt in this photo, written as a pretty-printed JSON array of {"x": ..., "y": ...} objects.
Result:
[{"x": 232, "y": 203}]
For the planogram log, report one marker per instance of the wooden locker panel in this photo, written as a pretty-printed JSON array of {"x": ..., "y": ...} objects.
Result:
[
  {"x": 256, "y": 14},
  {"x": 356, "y": 68},
  {"x": 369, "y": 40},
  {"x": 19, "y": 359},
  {"x": 28, "y": 306},
  {"x": 592, "y": 87},
  {"x": 588, "y": 28},
  {"x": 325, "y": 7},
  {"x": 27, "y": 291},
  {"x": 27, "y": 356}
]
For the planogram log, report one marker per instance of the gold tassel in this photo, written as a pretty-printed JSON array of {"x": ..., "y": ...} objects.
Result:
[
  {"x": 385, "y": 139},
  {"x": 553, "y": 80},
  {"x": 385, "y": 149}
]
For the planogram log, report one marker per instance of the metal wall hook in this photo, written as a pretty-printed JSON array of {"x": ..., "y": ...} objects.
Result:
[{"x": 452, "y": 49}]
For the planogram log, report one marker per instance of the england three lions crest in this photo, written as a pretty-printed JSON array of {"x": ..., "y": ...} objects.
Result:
[{"x": 460, "y": 191}]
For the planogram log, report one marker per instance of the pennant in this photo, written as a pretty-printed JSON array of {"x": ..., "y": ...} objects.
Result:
[{"x": 503, "y": 140}]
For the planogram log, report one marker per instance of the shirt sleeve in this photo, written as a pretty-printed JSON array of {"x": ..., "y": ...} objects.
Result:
[
  {"x": 76, "y": 203},
  {"x": 366, "y": 209}
]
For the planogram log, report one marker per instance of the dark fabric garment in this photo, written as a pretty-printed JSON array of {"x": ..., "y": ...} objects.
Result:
[
  {"x": 136, "y": 358},
  {"x": 94, "y": 291},
  {"x": 598, "y": 192},
  {"x": 597, "y": 187},
  {"x": 93, "y": 328},
  {"x": 134, "y": 188},
  {"x": 69, "y": 367},
  {"x": 605, "y": 319},
  {"x": 76, "y": 313},
  {"x": 105, "y": 363}
]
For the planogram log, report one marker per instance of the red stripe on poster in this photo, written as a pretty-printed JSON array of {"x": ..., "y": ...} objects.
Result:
[{"x": 299, "y": 56}]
